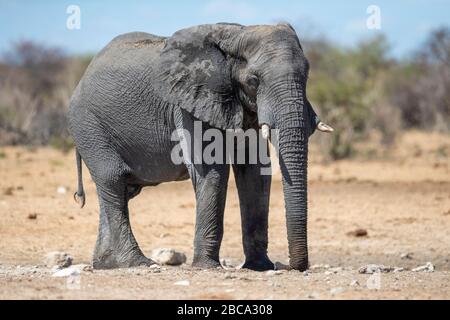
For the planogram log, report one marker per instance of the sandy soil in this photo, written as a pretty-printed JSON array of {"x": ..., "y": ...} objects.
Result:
[{"x": 402, "y": 199}]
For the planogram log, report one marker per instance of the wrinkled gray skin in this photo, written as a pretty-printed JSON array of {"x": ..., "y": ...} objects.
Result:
[{"x": 142, "y": 87}]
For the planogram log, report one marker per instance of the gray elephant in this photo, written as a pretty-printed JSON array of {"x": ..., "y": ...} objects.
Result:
[{"x": 141, "y": 88}]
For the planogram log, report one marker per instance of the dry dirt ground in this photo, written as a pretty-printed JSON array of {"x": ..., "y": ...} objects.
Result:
[{"x": 402, "y": 199}]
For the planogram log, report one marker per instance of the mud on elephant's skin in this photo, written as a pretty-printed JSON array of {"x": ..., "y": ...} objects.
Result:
[{"x": 141, "y": 88}]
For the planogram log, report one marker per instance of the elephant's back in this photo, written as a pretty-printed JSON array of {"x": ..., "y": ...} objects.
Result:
[{"x": 120, "y": 72}]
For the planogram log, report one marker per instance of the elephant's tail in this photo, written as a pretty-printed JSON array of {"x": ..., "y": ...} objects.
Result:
[{"x": 79, "y": 195}]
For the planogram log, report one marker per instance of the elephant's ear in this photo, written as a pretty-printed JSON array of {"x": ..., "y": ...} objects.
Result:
[{"x": 198, "y": 75}]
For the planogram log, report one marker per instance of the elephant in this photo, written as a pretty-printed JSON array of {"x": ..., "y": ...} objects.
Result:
[{"x": 141, "y": 88}]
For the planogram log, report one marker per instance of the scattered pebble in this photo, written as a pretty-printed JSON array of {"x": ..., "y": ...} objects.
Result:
[
  {"x": 313, "y": 295},
  {"x": 399, "y": 269},
  {"x": 406, "y": 256},
  {"x": 226, "y": 263},
  {"x": 61, "y": 190},
  {"x": 32, "y": 216},
  {"x": 154, "y": 268},
  {"x": 228, "y": 275},
  {"x": 358, "y": 233},
  {"x": 67, "y": 272},
  {"x": 274, "y": 272},
  {"x": 182, "y": 283},
  {"x": 428, "y": 267},
  {"x": 168, "y": 257},
  {"x": 58, "y": 259},
  {"x": 375, "y": 268},
  {"x": 319, "y": 266},
  {"x": 84, "y": 267},
  {"x": 8, "y": 191},
  {"x": 354, "y": 283}
]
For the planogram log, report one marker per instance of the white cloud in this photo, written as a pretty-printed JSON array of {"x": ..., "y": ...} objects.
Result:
[{"x": 229, "y": 9}]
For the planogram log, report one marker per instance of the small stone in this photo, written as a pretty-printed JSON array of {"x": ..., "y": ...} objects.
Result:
[
  {"x": 168, "y": 257},
  {"x": 374, "y": 268},
  {"x": 399, "y": 269},
  {"x": 273, "y": 273},
  {"x": 61, "y": 190},
  {"x": 313, "y": 295},
  {"x": 182, "y": 283},
  {"x": 84, "y": 267},
  {"x": 32, "y": 216},
  {"x": 328, "y": 273},
  {"x": 358, "y": 233},
  {"x": 406, "y": 256},
  {"x": 319, "y": 266},
  {"x": 228, "y": 276},
  {"x": 336, "y": 291},
  {"x": 354, "y": 283},
  {"x": 67, "y": 272},
  {"x": 58, "y": 259},
  {"x": 428, "y": 267}
]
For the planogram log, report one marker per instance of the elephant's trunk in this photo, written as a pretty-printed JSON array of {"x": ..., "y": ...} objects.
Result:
[
  {"x": 291, "y": 119},
  {"x": 293, "y": 154}
]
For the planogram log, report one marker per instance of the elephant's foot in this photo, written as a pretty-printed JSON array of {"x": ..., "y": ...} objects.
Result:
[
  {"x": 206, "y": 263},
  {"x": 111, "y": 260},
  {"x": 261, "y": 264}
]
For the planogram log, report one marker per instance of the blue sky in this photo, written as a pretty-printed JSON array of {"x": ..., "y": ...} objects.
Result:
[{"x": 405, "y": 22}]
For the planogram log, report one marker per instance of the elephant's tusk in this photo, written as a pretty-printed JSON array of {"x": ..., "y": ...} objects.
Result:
[
  {"x": 321, "y": 126},
  {"x": 265, "y": 130}
]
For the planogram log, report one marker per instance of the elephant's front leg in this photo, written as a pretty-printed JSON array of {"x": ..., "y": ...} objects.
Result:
[
  {"x": 254, "y": 192},
  {"x": 210, "y": 184}
]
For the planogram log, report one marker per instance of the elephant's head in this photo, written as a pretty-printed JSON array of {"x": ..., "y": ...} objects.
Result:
[{"x": 226, "y": 74}]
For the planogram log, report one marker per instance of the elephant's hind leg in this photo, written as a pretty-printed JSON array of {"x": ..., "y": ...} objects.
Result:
[{"x": 116, "y": 245}]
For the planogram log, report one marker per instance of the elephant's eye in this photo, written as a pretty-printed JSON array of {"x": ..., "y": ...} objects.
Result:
[{"x": 253, "y": 83}]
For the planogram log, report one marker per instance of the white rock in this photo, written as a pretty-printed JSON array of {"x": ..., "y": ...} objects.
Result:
[
  {"x": 406, "y": 256},
  {"x": 231, "y": 263},
  {"x": 228, "y": 275},
  {"x": 274, "y": 273},
  {"x": 61, "y": 190},
  {"x": 354, "y": 283},
  {"x": 71, "y": 271},
  {"x": 182, "y": 283},
  {"x": 59, "y": 259},
  {"x": 429, "y": 267},
  {"x": 154, "y": 268},
  {"x": 399, "y": 269},
  {"x": 168, "y": 256}
]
